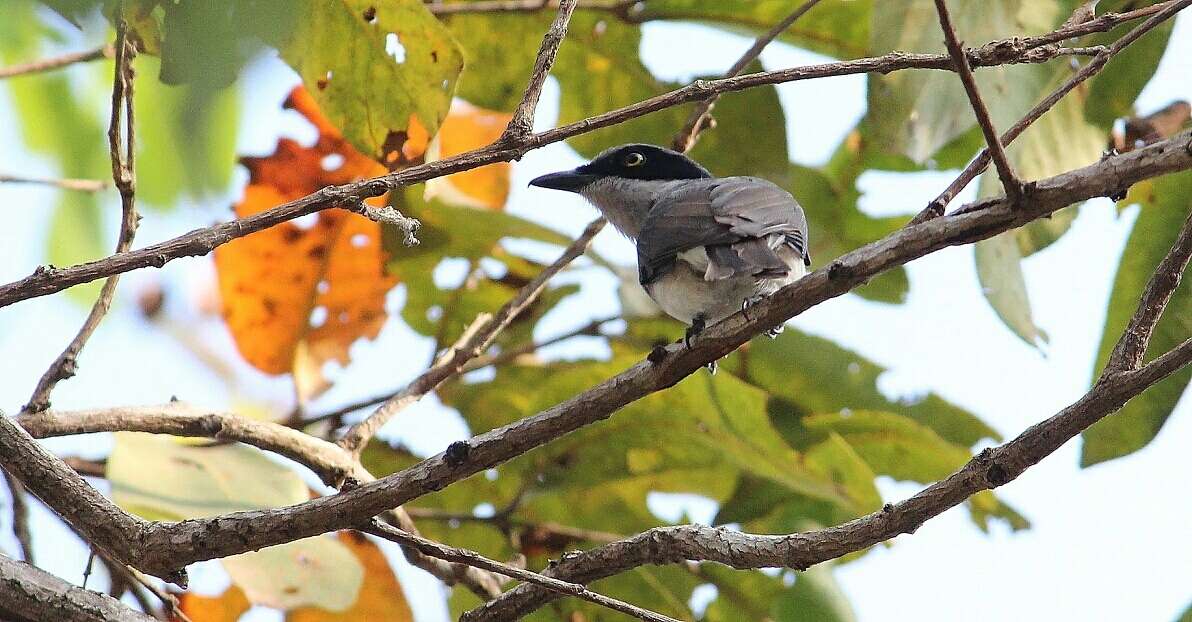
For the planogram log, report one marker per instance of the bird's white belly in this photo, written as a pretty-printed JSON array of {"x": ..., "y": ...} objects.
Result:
[{"x": 683, "y": 293}]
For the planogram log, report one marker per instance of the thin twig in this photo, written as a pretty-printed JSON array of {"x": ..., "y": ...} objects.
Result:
[
  {"x": 504, "y": 521},
  {"x": 529, "y": 6},
  {"x": 1128, "y": 353},
  {"x": 970, "y": 172},
  {"x": 57, "y": 62},
  {"x": 699, "y": 117},
  {"x": 471, "y": 344},
  {"x": 49, "y": 280},
  {"x": 81, "y": 185},
  {"x": 591, "y": 329},
  {"x": 123, "y": 166},
  {"x": 471, "y": 558},
  {"x": 522, "y": 123},
  {"x": 1005, "y": 170},
  {"x": 20, "y": 516}
]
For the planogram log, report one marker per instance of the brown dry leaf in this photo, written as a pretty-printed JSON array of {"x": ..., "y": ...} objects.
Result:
[
  {"x": 227, "y": 607},
  {"x": 295, "y": 297},
  {"x": 466, "y": 127},
  {"x": 381, "y": 597}
]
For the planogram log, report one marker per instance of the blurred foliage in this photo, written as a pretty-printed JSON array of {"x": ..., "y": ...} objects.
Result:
[{"x": 793, "y": 435}]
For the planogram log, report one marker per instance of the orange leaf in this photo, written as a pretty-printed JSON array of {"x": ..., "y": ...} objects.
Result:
[
  {"x": 468, "y": 127},
  {"x": 227, "y": 607},
  {"x": 380, "y": 597},
  {"x": 295, "y": 297}
]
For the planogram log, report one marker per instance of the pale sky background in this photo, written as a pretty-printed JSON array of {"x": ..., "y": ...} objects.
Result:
[{"x": 1108, "y": 543}]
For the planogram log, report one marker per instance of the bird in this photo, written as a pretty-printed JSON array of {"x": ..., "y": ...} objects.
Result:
[{"x": 707, "y": 247}]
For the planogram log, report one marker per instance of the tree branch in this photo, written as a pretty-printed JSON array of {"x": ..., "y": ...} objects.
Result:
[
  {"x": 28, "y": 594},
  {"x": 472, "y": 344},
  {"x": 57, "y": 62},
  {"x": 20, "y": 516},
  {"x": 163, "y": 548},
  {"x": 522, "y": 122},
  {"x": 49, "y": 280},
  {"x": 471, "y": 558},
  {"x": 524, "y": 6},
  {"x": 123, "y": 166},
  {"x": 1010, "y": 181},
  {"x": 81, "y": 185},
  {"x": 1127, "y": 354},
  {"x": 974, "y": 168},
  {"x": 990, "y": 469},
  {"x": 699, "y": 117}
]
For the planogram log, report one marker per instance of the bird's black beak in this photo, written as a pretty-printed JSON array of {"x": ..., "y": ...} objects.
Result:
[{"x": 569, "y": 181}]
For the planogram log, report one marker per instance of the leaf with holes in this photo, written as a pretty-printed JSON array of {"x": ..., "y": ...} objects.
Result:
[
  {"x": 295, "y": 297},
  {"x": 375, "y": 68}
]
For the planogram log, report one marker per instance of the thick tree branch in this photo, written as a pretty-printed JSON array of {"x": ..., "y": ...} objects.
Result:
[
  {"x": 28, "y": 594},
  {"x": 974, "y": 168},
  {"x": 122, "y": 149},
  {"x": 57, "y": 62},
  {"x": 700, "y": 115},
  {"x": 471, "y": 345},
  {"x": 1128, "y": 352},
  {"x": 990, "y": 469},
  {"x": 522, "y": 123},
  {"x": 471, "y": 558},
  {"x": 1010, "y": 181},
  {"x": 164, "y": 548},
  {"x": 49, "y": 280}
]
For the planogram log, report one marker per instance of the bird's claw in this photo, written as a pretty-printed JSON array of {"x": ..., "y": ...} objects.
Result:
[
  {"x": 749, "y": 302},
  {"x": 698, "y": 323},
  {"x": 711, "y": 367},
  {"x": 774, "y": 332}
]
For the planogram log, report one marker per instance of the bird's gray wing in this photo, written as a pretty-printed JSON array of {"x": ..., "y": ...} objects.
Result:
[{"x": 742, "y": 223}]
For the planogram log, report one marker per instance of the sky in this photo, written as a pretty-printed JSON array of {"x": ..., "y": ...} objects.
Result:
[{"x": 1106, "y": 543}]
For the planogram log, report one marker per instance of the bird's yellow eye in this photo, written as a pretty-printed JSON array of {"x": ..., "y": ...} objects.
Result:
[{"x": 635, "y": 159}]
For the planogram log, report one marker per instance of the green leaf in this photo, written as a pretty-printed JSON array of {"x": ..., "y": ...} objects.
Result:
[
  {"x": 206, "y": 44},
  {"x": 816, "y": 376},
  {"x": 374, "y": 79},
  {"x": 893, "y": 445},
  {"x": 838, "y": 28},
  {"x": 1155, "y": 230},
  {"x": 916, "y": 113},
  {"x": 1058, "y": 142},
  {"x": 160, "y": 478},
  {"x": 816, "y": 596},
  {"x": 1112, "y": 92},
  {"x": 499, "y": 49},
  {"x": 187, "y": 138}
]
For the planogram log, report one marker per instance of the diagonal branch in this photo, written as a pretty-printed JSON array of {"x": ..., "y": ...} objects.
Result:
[
  {"x": 80, "y": 185},
  {"x": 121, "y": 128},
  {"x": 699, "y": 118},
  {"x": 1005, "y": 171},
  {"x": 28, "y": 594},
  {"x": 50, "y": 64},
  {"x": 163, "y": 548},
  {"x": 471, "y": 558},
  {"x": 522, "y": 123},
  {"x": 1127, "y": 354},
  {"x": 974, "y": 168},
  {"x": 472, "y": 344},
  {"x": 19, "y": 501},
  {"x": 990, "y": 469},
  {"x": 49, "y": 280}
]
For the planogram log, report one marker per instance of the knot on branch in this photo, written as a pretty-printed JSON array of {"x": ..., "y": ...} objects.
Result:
[{"x": 457, "y": 453}]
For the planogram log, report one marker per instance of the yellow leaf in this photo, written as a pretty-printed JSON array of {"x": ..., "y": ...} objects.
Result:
[
  {"x": 227, "y": 607},
  {"x": 380, "y": 598},
  {"x": 468, "y": 127}
]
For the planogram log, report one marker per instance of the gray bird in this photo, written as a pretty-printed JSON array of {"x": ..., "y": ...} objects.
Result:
[{"x": 707, "y": 246}]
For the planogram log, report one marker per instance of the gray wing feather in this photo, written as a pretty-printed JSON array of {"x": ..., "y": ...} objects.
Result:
[{"x": 740, "y": 221}]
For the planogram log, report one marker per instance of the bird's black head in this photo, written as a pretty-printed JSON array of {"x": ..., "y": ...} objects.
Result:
[{"x": 635, "y": 161}]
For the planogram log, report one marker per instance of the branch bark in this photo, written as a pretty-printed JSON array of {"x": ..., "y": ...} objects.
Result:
[
  {"x": 522, "y": 123},
  {"x": 1010, "y": 181},
  {"x": 49, "y": 280},
  {"x": 121, "y": 128},
  {"x": 974, "y": 168},
  {"x": 990, "y": 469},
  {"x": 28, "y": 594},
  {"x": 81, "y": 185},
  {"x": 58, "y": 62},
  {"x": 162, "y": 549},
  {"x": 471, "y": 558}
]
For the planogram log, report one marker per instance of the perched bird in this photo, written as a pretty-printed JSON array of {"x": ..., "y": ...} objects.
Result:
[{"x": 707, "y": 246}]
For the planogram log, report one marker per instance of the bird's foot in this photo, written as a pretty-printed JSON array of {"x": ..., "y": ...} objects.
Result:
[
  {"x": 698, "y": 323},
  {"x": 774, "y": 332},
  {"x": 711, "y": 367},
  {"x": 749, "y": 302}
]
